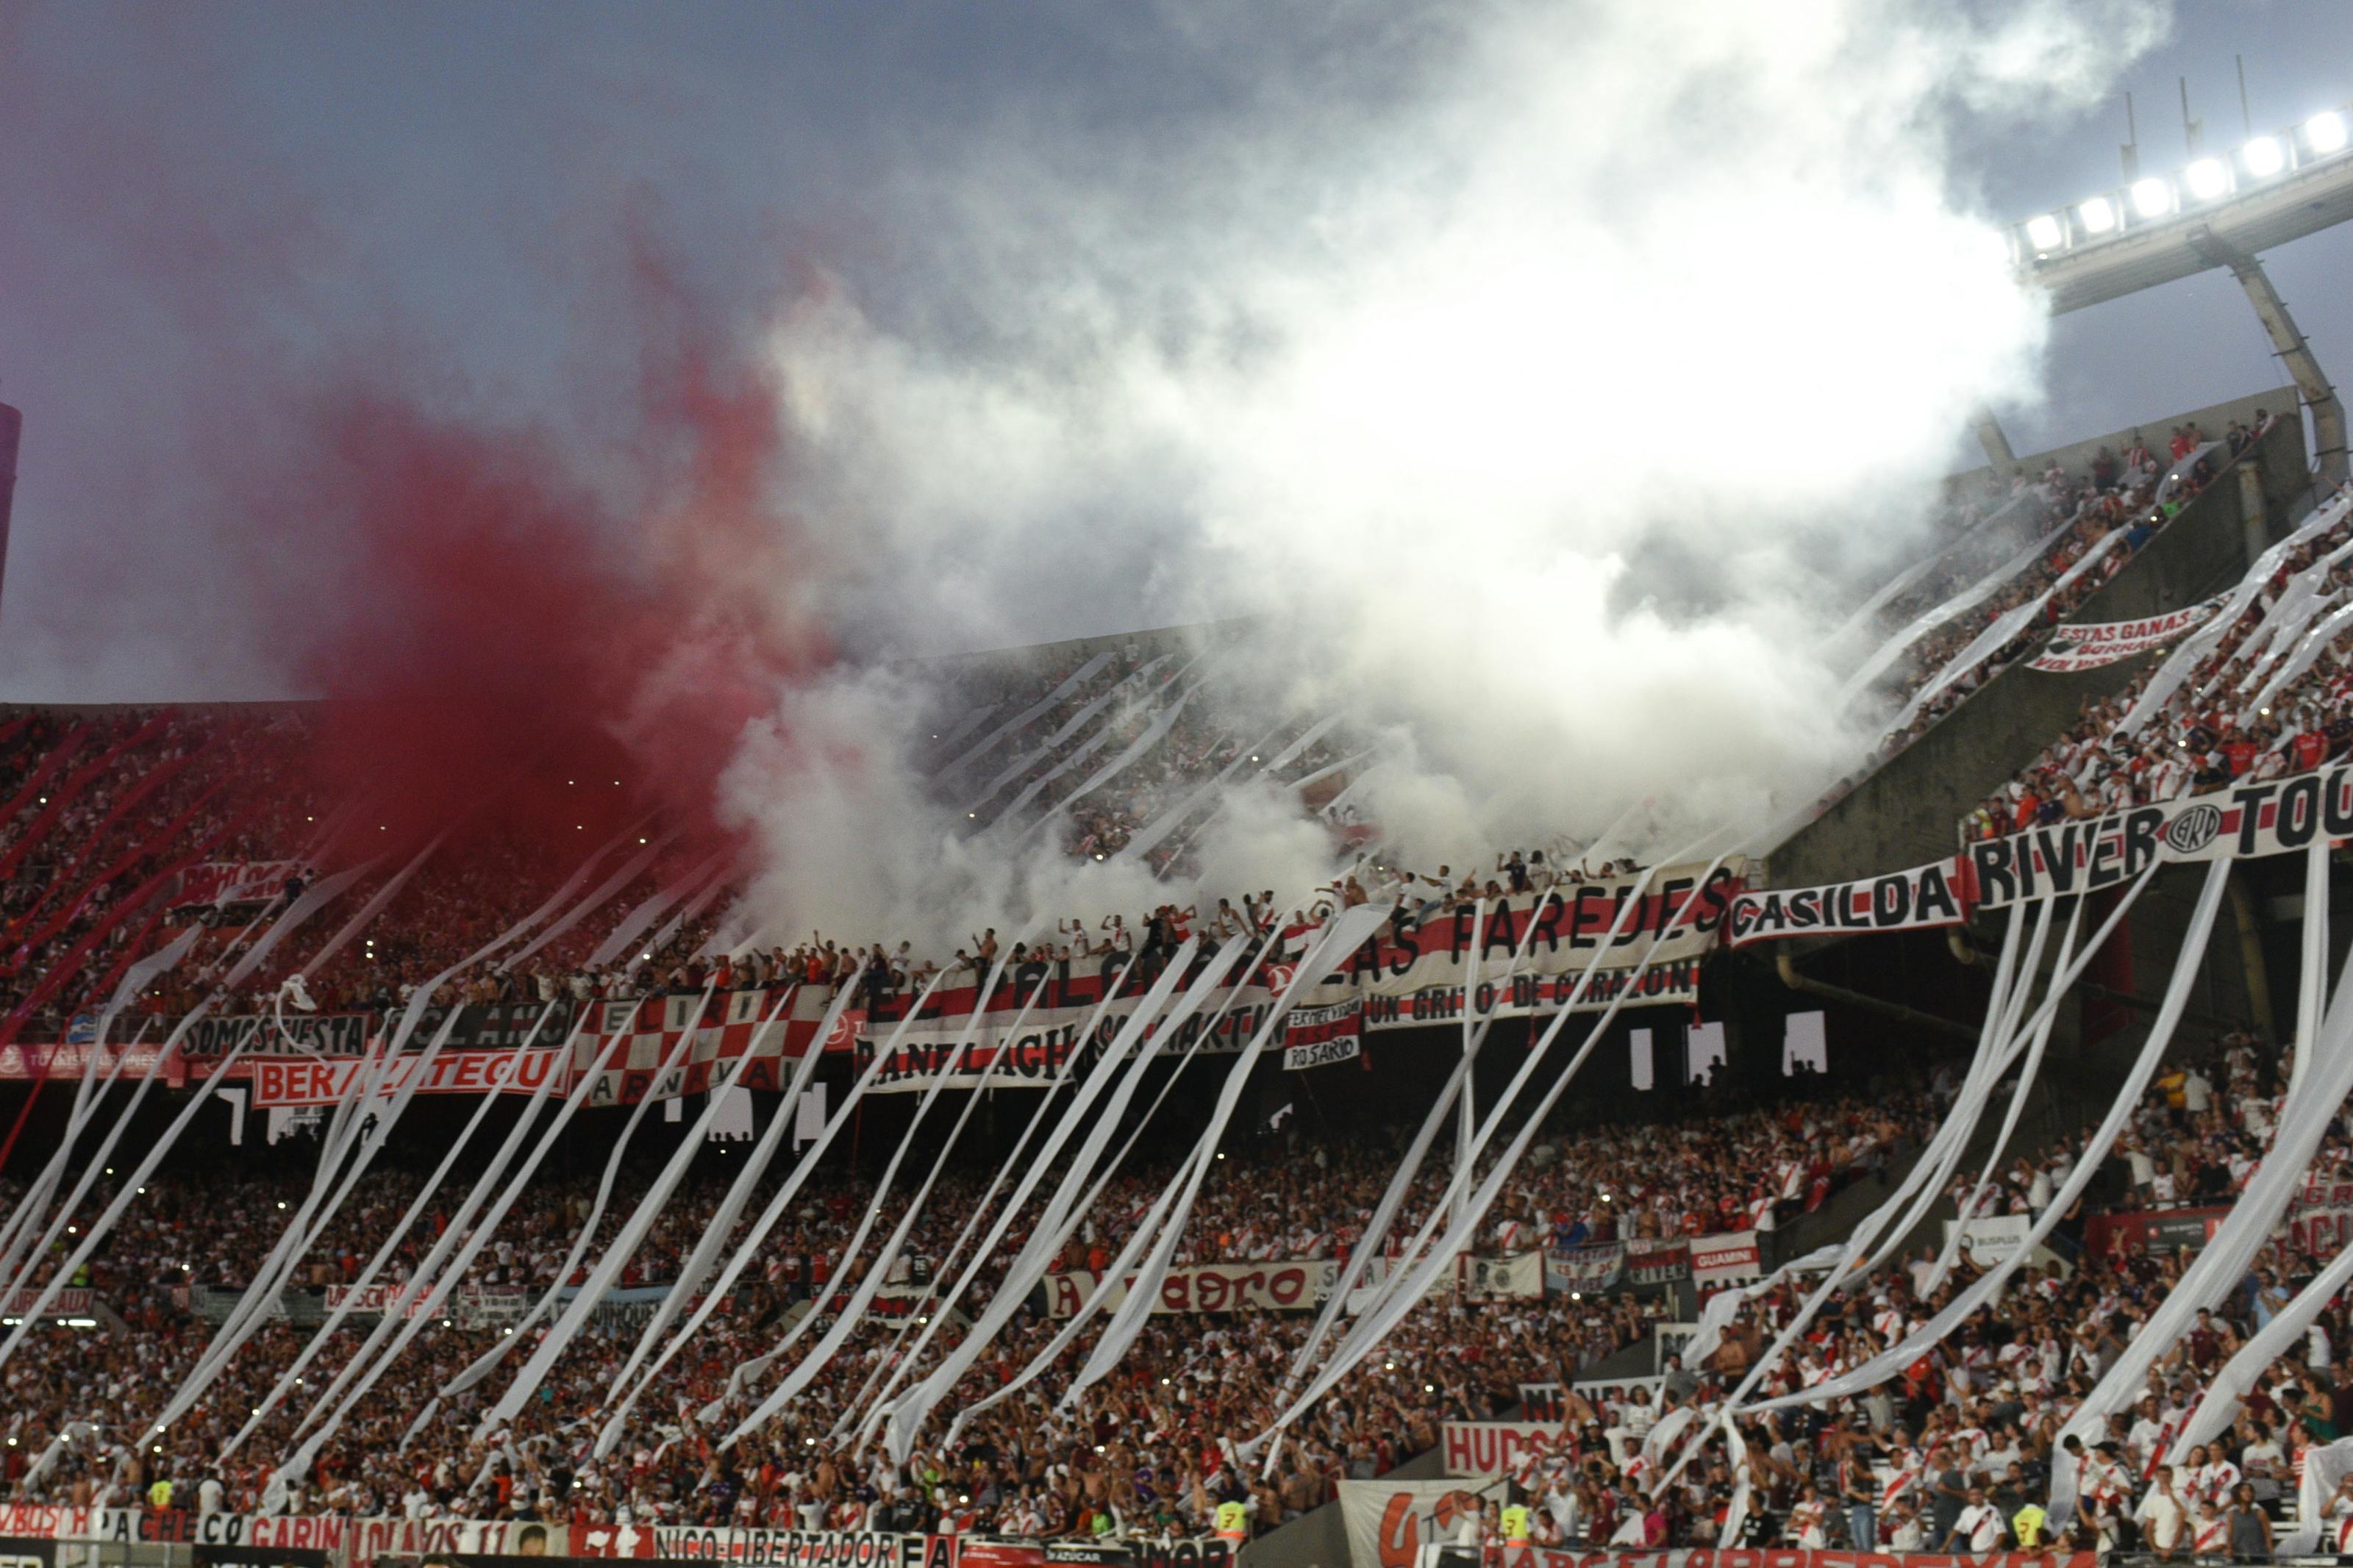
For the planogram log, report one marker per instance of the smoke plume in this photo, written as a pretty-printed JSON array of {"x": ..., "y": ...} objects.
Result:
[{"x": 1542, "y": 380}]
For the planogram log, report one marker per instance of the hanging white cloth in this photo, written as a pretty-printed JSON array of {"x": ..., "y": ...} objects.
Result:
[
  {"x": 1349, "y": 931},
  {"x": 2315, "y": 642},
  {"x": 853, "y": 1312},
  {"x": 1968, "y": 598},
  {"x": 1376, "y": 1229},
  {"x": 846, "y": 1320},
  {"x": 648, "y": 1209},
  {"x": 749, "y": 1248},
  {"x": 633, "y": 924},
  {"x": 1878, "y": 1368},
  {"x": 2231, "y": 1250},
  {"x": 430, "y": 1283},
  {"x": 1450, "y": 1204},
  {"x": 89, "y": 1094},
  {"x": 341, "y": 1311},
  {"x": 1982, "y": 1191},
  {"x": 1147, "y": 837},
  {"x": 2009, "y": 625},
  {"x": 1117, "y": 1066},
  {"x": 1146, "y": 1233},
  {"x": 2183, "y": 661},
  {"x": 364, "y": 1133},
  {"x": 1152, "y": 736},
  {"x": 621, "y": 876},
  {"x": 892, "y": 1361},
  {"x": 1030, "y": 715},
  {"x": 128, "y": 1192},
  {"x": 373, "y": 907},
  {"x": 1405, "y": 1289},
  {"x": 2312, "y": 1105},
  {"x": 551, "y": 1299},
  {"x": 441, "y": 1270},
  {"x": 907, "y": 1413},
  {"x": 2312, "y": 977},
  {"x": 757, "y": 1366},
  {"x": 707, "y": 1246},
  {"x": 1926, "y": 1175}
]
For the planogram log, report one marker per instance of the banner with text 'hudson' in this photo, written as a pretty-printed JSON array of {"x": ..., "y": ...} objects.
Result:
[{"x": 1480, "y": 1449}]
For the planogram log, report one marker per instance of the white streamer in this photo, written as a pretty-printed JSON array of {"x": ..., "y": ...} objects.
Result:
[
  {"x": 1348, "y": 931},
  {"x": 384, "y": 1254},
  {"x": 1982, "y": 1290}
]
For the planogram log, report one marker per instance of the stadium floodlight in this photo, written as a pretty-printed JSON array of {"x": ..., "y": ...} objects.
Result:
[
  {"x": 2152, "y": 197},
  {"x": 2325, "y": 133},
  {"x": 2207, "y": 178},
  {"x": 2263, "y": 157},
  {"x": 2043, "y": 232},
  {"x": 2098, "y": 215}
]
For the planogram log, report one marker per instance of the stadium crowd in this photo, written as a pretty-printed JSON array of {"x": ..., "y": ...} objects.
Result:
[
  {"x": 98, "y": 815},
  {"x": 2272, "y": 696},
  {"x": 2132, "y": 495},
  {"x": 1151, "y": 1449},
  {"x": 1957, "y": 1451}
]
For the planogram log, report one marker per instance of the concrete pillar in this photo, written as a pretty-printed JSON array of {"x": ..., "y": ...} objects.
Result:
[
  {"x": 2294, "y": 350},
  {"x": 2255, "y": 522},
  {"x": 1996, "y": 444}
]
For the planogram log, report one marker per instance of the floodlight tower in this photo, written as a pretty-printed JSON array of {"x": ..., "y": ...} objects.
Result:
[{"x": 2217, "y": 211}]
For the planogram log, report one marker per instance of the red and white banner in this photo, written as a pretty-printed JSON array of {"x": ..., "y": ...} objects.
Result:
[
  {"x": 728, "y": 1030},
  {"x": 1651, "y": 1262},
  {"x": 74, "y": 1301},
  {"x": 1209, "y": 1288},
  {"x": 1906, "y": 901},
  {"x": 1725, "y": 1259},
  {"x": 1480, "y": 1449},
  {"x": 1326, "y": 1032},
  {"x": 1030, "y": 1058},
  {"x": 1389, "y": 1521},
  {"x": 2320, "y": 1221},
  {"x": 2243, "y": 822},
  {"x": 799, "y": 1547},
  {"x": 20, "y": 1062},
  {"x": 296, "y": 1083},
  {"x": 173, "y": 1526},
  {"x": 374, "y": 1299},
  {"x": 221, "y": 883},
  {"x": 2074, "y": 648}
]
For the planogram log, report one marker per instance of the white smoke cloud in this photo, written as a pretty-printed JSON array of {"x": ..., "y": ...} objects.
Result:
[{"x": 1541, "y": 373}]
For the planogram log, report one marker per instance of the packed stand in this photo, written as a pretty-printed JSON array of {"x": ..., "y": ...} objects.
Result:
[
  {"x": 1956, "y": 1452},
  {"x": 2132, "y": 495},
  {"x": 1151, "y": 1450},
  {"x": 2267, "y": 700}
]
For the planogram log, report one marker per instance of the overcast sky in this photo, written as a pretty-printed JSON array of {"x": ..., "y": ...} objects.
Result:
[{"x": 203, "y": 207}]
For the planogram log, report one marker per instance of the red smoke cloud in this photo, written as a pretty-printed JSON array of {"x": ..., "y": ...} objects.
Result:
[{"x": 501, "y": 648}]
